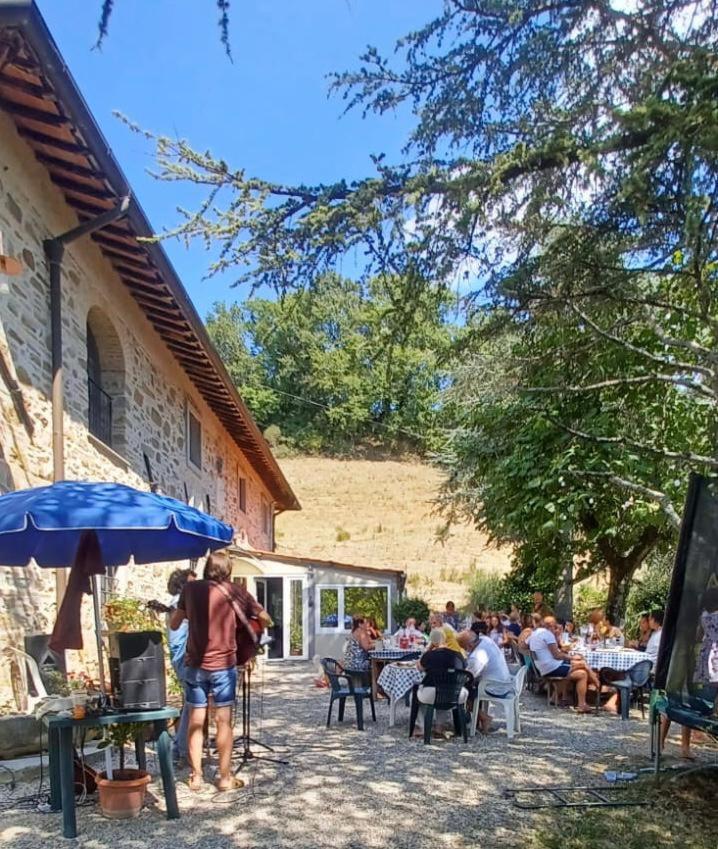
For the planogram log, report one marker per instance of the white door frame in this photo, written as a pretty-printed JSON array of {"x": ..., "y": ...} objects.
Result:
[
  {"x": 286, "y": 613},
  {"x": 286, "y": 606}
]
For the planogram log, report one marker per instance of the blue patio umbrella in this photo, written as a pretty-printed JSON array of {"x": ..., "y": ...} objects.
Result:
[
  {"x": 45, "y": 524},
  {"x": 48, "y": 524}
]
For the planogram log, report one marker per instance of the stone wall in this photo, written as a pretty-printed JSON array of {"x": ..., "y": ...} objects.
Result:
[{"x": 150, "y": 391}]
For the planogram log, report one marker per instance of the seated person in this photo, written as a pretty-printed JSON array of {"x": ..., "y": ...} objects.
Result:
[
  {"x": 436, "y": 620},
  {"x": 655, "y": 623},
  {"x": 438, "y": 658},
  {"x": 569, "y": 632},
  {"x": 373, "y": 628},
  {"x": 486, "y": 662},
  {"x": 410, "y": 631},
  {"x": 513, "y": 629},
  {"x": 451, "y": 617},
  {"x": 551, "y": 661},
  {"x": 644, "y": 633},
  {"x": 530, "y": 623},
  {"x": 358, "y": 645},
  {"x": 496, "y": 629}
]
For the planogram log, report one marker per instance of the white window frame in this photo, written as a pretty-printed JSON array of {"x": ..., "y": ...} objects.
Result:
[
  {"x": 191, "y": 410},
  {"x": 340, "y": 629}
]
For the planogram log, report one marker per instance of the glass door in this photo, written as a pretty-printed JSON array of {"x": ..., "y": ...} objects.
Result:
[{"x": 295, "y": 636}]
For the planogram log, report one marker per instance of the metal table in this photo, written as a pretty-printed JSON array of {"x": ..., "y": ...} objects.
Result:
[{"x": 62, "y": 777}]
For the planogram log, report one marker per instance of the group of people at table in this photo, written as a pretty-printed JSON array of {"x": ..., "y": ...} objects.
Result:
[{"x": 488, "y": 642}]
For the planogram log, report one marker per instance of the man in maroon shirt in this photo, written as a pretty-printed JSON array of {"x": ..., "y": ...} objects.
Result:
[{"x": 211, "y": 606}]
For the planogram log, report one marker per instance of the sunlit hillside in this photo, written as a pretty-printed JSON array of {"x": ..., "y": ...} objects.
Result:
[{"x": 380, "y": 513}]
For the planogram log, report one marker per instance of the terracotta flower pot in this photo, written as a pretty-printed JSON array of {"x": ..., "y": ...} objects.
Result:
[{"x": 122, "y": 796}]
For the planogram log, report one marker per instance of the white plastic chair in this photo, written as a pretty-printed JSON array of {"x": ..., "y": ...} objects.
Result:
[
  {"x": 28, "y": 665},
  {"x": 487, "y": 692}
]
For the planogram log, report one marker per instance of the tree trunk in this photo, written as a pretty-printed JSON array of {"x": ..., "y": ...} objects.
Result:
[
  {"x": 620, "y": 575},
  {"x": 564, "y": 596}
]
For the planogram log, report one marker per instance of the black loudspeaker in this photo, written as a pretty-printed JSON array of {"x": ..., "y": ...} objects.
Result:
[{"x": 137, "y": 670}]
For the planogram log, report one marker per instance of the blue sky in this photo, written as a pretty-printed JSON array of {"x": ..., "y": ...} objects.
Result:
[{"x": 164, "y": 67}]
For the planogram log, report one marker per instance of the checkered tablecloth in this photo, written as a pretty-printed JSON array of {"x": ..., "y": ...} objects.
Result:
[
  {"x": 396, "y": 681},
  {"x": 391, "y": 654},
  {"x": 620, "y": 660}
]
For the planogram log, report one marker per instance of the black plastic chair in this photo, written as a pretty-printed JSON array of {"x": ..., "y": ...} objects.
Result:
[
  {"x": 348, "y": 684},
  {"x": 448, "y": 684},
  {"x": 635, "y": 681}
]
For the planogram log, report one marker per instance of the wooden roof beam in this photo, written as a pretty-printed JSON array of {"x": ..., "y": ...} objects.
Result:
[
  {"x": 138, "y": 275},
  {"x": 70, "y": 167},
  {"x": 52, "y": 119},
  {"x": 33, "y": 89},
  {"x": 50, "y": 141},
  {"x": 148, "y": 293}
]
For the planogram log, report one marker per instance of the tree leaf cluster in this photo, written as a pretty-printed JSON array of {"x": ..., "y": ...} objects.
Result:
[{"x": 342, "y": 364}]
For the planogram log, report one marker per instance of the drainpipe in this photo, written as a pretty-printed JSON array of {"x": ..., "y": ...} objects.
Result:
[{"x": 54, "y": 250}]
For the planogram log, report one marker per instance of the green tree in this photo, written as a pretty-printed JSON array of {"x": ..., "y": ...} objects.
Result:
[
  {"x": 542, "y": 132},
  {"x": 525, "y": 477},
  {"x": 342, "y": 363}
]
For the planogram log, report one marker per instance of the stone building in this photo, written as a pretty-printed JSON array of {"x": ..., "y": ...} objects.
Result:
[{"x": 147, "y": 401}]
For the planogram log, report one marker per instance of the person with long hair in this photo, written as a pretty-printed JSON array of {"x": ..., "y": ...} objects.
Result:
[
  {"x": 358, "y": 645},
  {"x": 496, "y": 630},
  {"x": 210, "y": 606}
]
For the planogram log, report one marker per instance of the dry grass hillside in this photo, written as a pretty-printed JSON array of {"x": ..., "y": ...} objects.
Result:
[{"x": 380, "y": 513}]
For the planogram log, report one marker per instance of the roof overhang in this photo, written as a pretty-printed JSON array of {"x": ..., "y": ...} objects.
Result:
[{"x": 38, "y": 92}]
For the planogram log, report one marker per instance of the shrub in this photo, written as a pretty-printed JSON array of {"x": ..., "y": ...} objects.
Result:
[
  {"x": 587, "y": 599},
  {"x": 649, "y": 591},
  {"x": 406, "y": 607},
  {"x": 342, "y": 535},
  {"x": 273, "y": 435},
  {"x": 130, "y": 614},
  {"x": 486, "y": 590}
]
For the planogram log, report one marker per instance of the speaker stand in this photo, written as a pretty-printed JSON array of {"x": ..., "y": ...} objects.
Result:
[{"x": 245, "y": 741}]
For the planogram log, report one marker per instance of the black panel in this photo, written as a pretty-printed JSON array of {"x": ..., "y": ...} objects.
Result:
[
  {"x": 687, "y": 666},
  {"x": 137, "y": 670}
]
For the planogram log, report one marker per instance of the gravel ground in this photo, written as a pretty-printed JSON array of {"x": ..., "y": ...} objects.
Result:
[{"x": 346, "y": 790}]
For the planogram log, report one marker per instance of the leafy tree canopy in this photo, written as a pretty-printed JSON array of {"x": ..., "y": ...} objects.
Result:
[{"x": 345, "y": 363}]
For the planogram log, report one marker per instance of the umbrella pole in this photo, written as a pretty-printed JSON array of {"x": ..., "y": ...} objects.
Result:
[{"x": 98, "y": 635}]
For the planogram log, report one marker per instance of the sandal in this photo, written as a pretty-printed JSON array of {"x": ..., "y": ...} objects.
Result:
[
  {"x": 234, "y": 784},
  {"x": 195, "y": 783}
]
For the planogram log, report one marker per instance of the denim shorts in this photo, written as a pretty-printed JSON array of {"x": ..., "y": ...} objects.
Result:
[
  {"x": 562, "y": 671},
  {"x": 200, "y": 684}
]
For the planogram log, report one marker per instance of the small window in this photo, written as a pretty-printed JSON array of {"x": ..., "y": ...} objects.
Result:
[
  {"x": 194, "y": 439},
  {"x": 242, "y": 495},
  {"x": 266, "y": 517},
  {"x": 328, "y": 607}
]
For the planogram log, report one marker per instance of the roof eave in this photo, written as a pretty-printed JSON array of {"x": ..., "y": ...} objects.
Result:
[{"x": 25, "y": 15}]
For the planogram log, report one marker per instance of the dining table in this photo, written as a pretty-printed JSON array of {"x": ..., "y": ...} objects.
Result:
[
  {"x": 620, "y": 659},
  {"x": 380, "y": 657},
  {"x": 396, "y": 680}
]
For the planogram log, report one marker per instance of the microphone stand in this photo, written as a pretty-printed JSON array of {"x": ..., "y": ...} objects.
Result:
[{"x": 245, "y": 740}]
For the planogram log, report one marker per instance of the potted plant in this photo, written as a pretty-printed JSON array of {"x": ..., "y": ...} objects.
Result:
[{"x": 122, "y": 791}]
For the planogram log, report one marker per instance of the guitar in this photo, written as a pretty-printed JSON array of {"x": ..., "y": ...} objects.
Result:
[{"x": 158, "y": 607}]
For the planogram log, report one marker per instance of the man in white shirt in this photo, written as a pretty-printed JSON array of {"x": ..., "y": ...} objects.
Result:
[
  {"x": 485, "y": 662},
  {"x": 655, "y": 623},
  {"x": 551, "y": 661}
]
